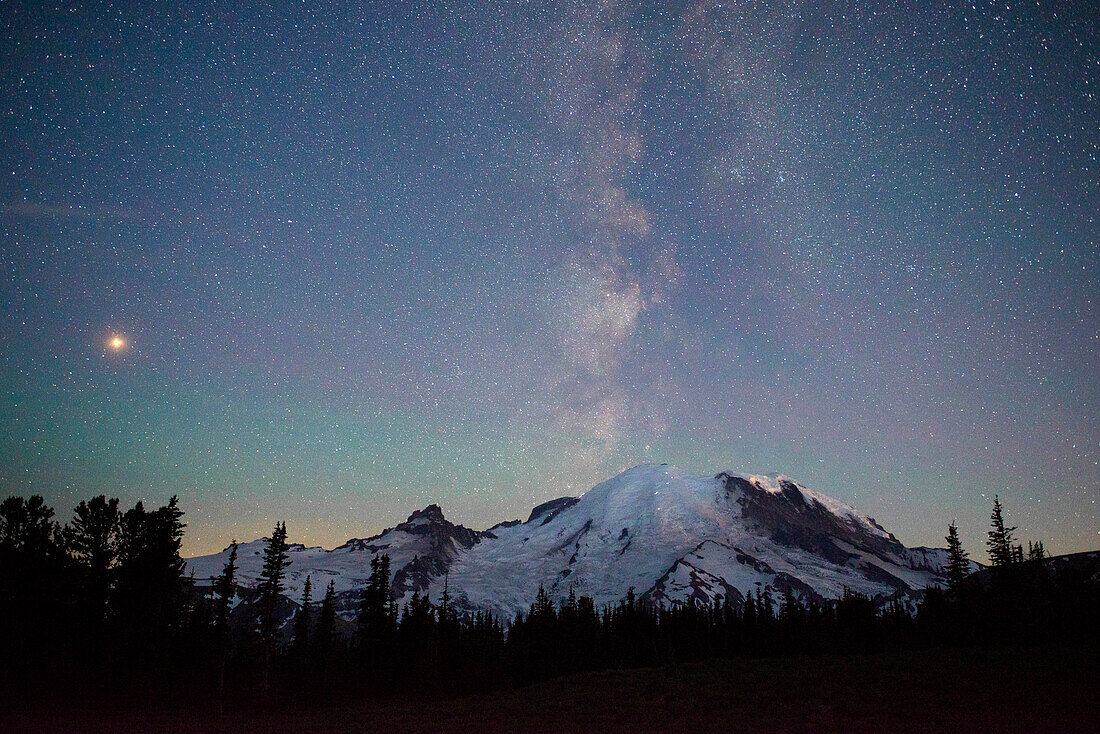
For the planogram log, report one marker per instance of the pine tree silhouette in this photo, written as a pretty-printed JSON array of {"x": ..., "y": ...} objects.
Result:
[
  {"x": 958, "y": 563},
  {"x": 92, "y": 539},
  {"x": 377, "y": 613},
  {"x": 326, "y": 622},
  {"x": 30, "y": 560},
  {"x": 301, "y": 620},
  {"x": 225, "y": 590},
  {"x": 1000, "y": 542},
  {"x": 276, "y": 560},
  {"x": 1036, "y": 551},
  {"x": 150, "y": 569}
]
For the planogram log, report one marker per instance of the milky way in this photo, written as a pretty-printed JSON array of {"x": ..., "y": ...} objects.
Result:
[{"x": 364, "y": 258}]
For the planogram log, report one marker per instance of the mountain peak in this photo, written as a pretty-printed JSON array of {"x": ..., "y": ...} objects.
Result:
[
  {"x": 431, "y": 513},
  {"x": 672, "y": 535}
]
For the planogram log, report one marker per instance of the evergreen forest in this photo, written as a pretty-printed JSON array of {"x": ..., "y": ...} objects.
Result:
[{"x": 101, "y": 611}]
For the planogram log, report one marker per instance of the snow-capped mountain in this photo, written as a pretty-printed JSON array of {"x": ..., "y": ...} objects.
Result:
[
  {"x": 669, "y": 535},
  {"x": 420, "y": 550}
]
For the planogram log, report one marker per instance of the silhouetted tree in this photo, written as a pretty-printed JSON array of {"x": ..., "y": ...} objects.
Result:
[
  {"x": 417, "y": 617},
  {"x": 446, "y": 614},
  {"x": 270, "y": 587},
  {"x": 1000, "y": 542},
  {"x": 224, "y": 589},
  {"x": 92, "y": 539},
  {"x": 1036, "y": 551},
  {"x": 790, "y": 609},
  {"x": 377, "y": 612},
  {"x": 326, "y": 622},
  {"x": 30, "y": 558},
  {"x": 301, "y": 620},
  {"x": 958, "y": 563},
  {"x": 542, "y": 610},
  {"x": 276, "y": 559},
  {"x": 150, "y": 569},
  {"x": 26, "y": 526},
  {"x": 767, "y": 610}
]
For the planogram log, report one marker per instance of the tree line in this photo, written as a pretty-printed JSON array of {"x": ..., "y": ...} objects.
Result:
[{"x": 101, "y": 610}]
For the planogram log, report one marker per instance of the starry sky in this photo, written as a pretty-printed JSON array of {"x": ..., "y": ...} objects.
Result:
[{"x": 363, "y": 256}]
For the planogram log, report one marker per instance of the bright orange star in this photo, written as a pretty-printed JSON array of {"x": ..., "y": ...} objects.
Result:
[{"x": 117, "y": 343}]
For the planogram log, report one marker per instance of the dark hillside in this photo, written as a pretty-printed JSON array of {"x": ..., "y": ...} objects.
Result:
[{"x": 1041, "y": 689}]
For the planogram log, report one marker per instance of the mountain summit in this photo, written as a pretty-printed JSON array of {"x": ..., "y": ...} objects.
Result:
[{"x": 669, "y": 535}]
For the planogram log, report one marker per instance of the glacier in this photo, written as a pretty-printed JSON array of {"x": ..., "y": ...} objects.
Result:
[{"x": 671, "y": 536}]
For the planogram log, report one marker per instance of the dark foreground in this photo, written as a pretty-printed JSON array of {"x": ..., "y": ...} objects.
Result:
[{"x": 1043, "y": 689}]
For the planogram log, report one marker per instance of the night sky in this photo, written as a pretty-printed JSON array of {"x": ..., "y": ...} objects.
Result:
[{"x": 361, "y": 257}]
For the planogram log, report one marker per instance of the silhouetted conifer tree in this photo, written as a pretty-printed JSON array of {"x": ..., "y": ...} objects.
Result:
[
  {"x": 224, "y": 589},
  {"x": 92, "y": 539},
  {"x": 748, "y": 609},
  {"x": 790, "y": 609},
  {"x": 377, "y": 611},
  {"x": 150, "y": 569},
  {"x": 34, "y": 599},
  {"x": 1000, "y": 541},
  {"x": 1036, "y": 551},
  {"x": 542, "y": 610},
  {"x": 301, "y": 620},
  {"x": 446, "y": 614},
  {"x": 958, "y": 563},
  {"x": 30, "y": 560},
  {"x": 323, "y": 636},
  {"x": 767, "y": 610},
  {"x": 417, "y": 618},
  {"x": 270, "y": 587}
]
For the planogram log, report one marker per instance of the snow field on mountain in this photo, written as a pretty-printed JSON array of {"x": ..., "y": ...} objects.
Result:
[{"x": 653, "y": 528}]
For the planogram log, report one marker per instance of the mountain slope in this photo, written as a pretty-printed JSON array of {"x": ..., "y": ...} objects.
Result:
[
  {"x": 670, "y": 535},
  {"x": 673, "y": 536},
  {"x": 420, "y": 549}
]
